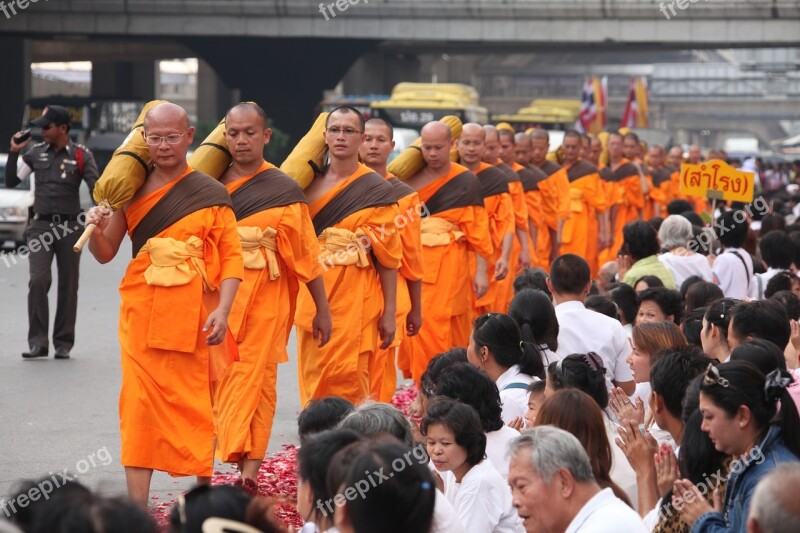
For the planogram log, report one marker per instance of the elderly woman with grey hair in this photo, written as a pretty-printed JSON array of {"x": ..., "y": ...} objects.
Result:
[{"x": 678, "y": 239}]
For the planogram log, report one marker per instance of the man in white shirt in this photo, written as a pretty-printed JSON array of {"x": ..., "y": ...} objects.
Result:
[
  {"x": 581, "y": 330},
  {"x": 733, "y": 268},
  {"x": 554, "y": 490}
]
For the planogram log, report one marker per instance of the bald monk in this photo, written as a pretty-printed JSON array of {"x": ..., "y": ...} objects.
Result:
[
  {"x": 674, "y": 161},
  {"x": 499, "y": 211},
  {"x": 632, "y": 149},
  {"x": 280, "y": 250},
  {"x": 354, "y": 211},
  {"x": 624, "y": 192},
  {"x": 374, "y": 152},
  {"x": 587, "y": 226},
  {"x": 661, "y": 193},
  {"x": 533, "y": 197},
  {"x": 456, "y": 225},
  {"x": 177, "y": 293},
  {"x": 594, "y": 151},
  {"x": 554, "y": 199}
]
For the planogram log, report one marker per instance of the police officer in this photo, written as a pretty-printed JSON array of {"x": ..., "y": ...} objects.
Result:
[{"x": 58, "y": 165}]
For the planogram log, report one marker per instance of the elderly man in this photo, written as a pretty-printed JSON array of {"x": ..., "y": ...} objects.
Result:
[
  {"x": 774, "y": 507},
  {"x": 554, "y": 490}
]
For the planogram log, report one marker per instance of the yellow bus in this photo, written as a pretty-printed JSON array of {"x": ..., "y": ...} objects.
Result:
[
  {"x": 546, "y": 113},
  {"x": 412, "y": 105}
]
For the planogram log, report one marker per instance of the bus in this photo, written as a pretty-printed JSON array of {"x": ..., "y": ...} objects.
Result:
[
  {"x": 412, "y": 105},
  {"x": 545, "y": 113}
]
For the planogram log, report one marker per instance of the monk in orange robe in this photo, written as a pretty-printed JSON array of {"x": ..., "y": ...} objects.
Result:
[
  {"x": 455, "y": 224},
  {"x": 632, "y": 149},
  {"x": 587, "y": 226},
  {"x": 374, "y": 152},
  {"x": 354, "y": 211},
  {"x": 594, "y": 150},
  {"x": 674, "y": 161},
  {"x": 661, "y": 193},
  {"x": 555, "y": 202},
  {"x": 499, "y": 211},
  {"x": 176, "y": 296},
  {"x": 280, "y": 251}
]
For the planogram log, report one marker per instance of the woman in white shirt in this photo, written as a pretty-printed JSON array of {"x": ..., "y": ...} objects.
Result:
[
  {"x": 496, "y": 348},
  {"x": 675, "y": 234},
  {"x": 456, "y": 444}
]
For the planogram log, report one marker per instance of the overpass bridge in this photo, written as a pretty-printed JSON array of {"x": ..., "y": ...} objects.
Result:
[{"x": 284, "y": 53}]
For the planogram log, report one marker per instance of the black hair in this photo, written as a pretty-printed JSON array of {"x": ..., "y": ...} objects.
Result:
[
  {"x": 581, "y": 371},
  {"x": 531, "y": 278},
  {"x": 382, "y": 122},
  {"x": 735, "y": 229},
  {"x": 650, "y": 280},
  {"x": 603, "y": 305},
  {"x": 701, "y": 294},
  {"x": 777, "y": 249},
  {"x": 672, "y": 372},
  {"x": 763, "y": 319},
  {"x": 790, "y": 302},
  {"x": 640, "y": 240},
  {"x": 692, "y": 326},
  {"x": 655, "y": 223},
  {"x": 346, "y": 109},
  {"x": 698, "y": 236},
  {"x": 537, "y": 387},
  {"x": 250, "y": 106},
  {"x": 569, "y": 274},
  {"x": 534, "y": 313},
  {"x": 782, "y": 281},
  {"x": 795, "y": 236},
  {"x": 748, "y": 386},
  {"x": 402, "y": 503},
  {"x": 207, "y": 501},
  {"x": 762, "y": 353},
  {"x": 678, "y": 206},
  {"x": 719, "y": 313},
  {"x": 688, "y": 282},
  {"x": 625, "y": 297},
  {"x": 693, "y": 217},
  {"x": 315, "y": 455},
  {"x": 668, "y": 300},
  {"x": 500, "y": 334},
  {"x": 437, "y": 365},
  {"x": 463, "y": 421},
  {"x": 467, "y": 384},
  {"x": 769, "y": 223},
  {"x": 320, "y": 415}
]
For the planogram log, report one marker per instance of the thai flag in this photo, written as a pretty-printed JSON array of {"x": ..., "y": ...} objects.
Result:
[
  {"x": 629, "y": 117},
  {"x": 588, "y": 110}
]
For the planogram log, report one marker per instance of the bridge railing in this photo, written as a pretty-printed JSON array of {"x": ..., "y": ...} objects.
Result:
[{"x": 461, "y": 9}]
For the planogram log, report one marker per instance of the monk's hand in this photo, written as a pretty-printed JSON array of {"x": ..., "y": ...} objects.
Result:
[
  {"x": 524, "y": 260},
  {"x": 688, "y": 501},
  {"x": 501, "y": 269},
  {"x": 481, "y": 282},
  {"x": 387, "y": 328},
  {"x": 413, "y": 321},
  {"x": 99, "y": 216},
  {"x": 217, "y": 323},
  {"x": 322, "y": 326}
]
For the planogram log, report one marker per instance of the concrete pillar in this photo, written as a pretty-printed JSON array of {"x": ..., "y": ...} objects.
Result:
[
  {"x": 213, "y": 97},
  {"x": 15, "y": 86},
  {"x": 124, "y": 79}
]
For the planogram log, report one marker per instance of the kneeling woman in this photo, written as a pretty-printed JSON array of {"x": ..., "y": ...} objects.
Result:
[{"x": 456, "y": 445}]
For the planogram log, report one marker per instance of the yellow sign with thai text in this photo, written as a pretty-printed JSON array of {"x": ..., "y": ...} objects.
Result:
[{"x": 717, "y": 179}]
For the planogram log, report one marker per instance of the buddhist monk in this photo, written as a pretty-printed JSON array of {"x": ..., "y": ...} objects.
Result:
[
  {"x": 354, "y": 211},
  {"x": 674, "y": 161},
  {"x": 632, "y": 150},
  {"x": 695, "y": 156},
  {"x": 455, "y": 225},
  {"x": 554, "y": 193},
  {"x": 499, "y": 211},
  {"x": 625, "y": 192},
  {"x": 177, "y": 293},
  {"x": 594, "y": 151},
  {"x": 375, "y": 150},
  {"x": 587, "y": 226},
  {"x": 280, "y": 251},
  {"x": 661, "y": 193}
]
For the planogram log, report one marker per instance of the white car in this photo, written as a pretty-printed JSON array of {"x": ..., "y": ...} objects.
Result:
[{"x": 15, "y": 207}]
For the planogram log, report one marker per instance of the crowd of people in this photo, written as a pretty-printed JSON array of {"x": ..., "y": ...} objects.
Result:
[{"x": 591, "y": 350}]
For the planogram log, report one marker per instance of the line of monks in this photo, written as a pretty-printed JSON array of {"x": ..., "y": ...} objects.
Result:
[{"x": 222, "y": 269}]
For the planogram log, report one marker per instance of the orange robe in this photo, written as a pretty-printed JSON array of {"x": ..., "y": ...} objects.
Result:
[
  {"x": 661, "y": 191},
  {"x": 500, "y": 213},
  {"x": 260, "y": 318},
  {"x": 341, "y": 367},
  {"x": 505, "y": 287},
  {"x": 165, "y": 404},
  {"x": 553, "y": 199},
  {"x": 587, "y": 199},
  {"x": 629, "y": 197},
  {"x": 383, "y": 372},
  {"x": 446, "y": 288}
]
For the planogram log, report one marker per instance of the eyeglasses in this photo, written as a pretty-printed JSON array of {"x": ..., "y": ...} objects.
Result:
[
  {"x": 156, "y": 140},
  {"x": 712, "y": 377},
  {"x": 347, "y": 131}
]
